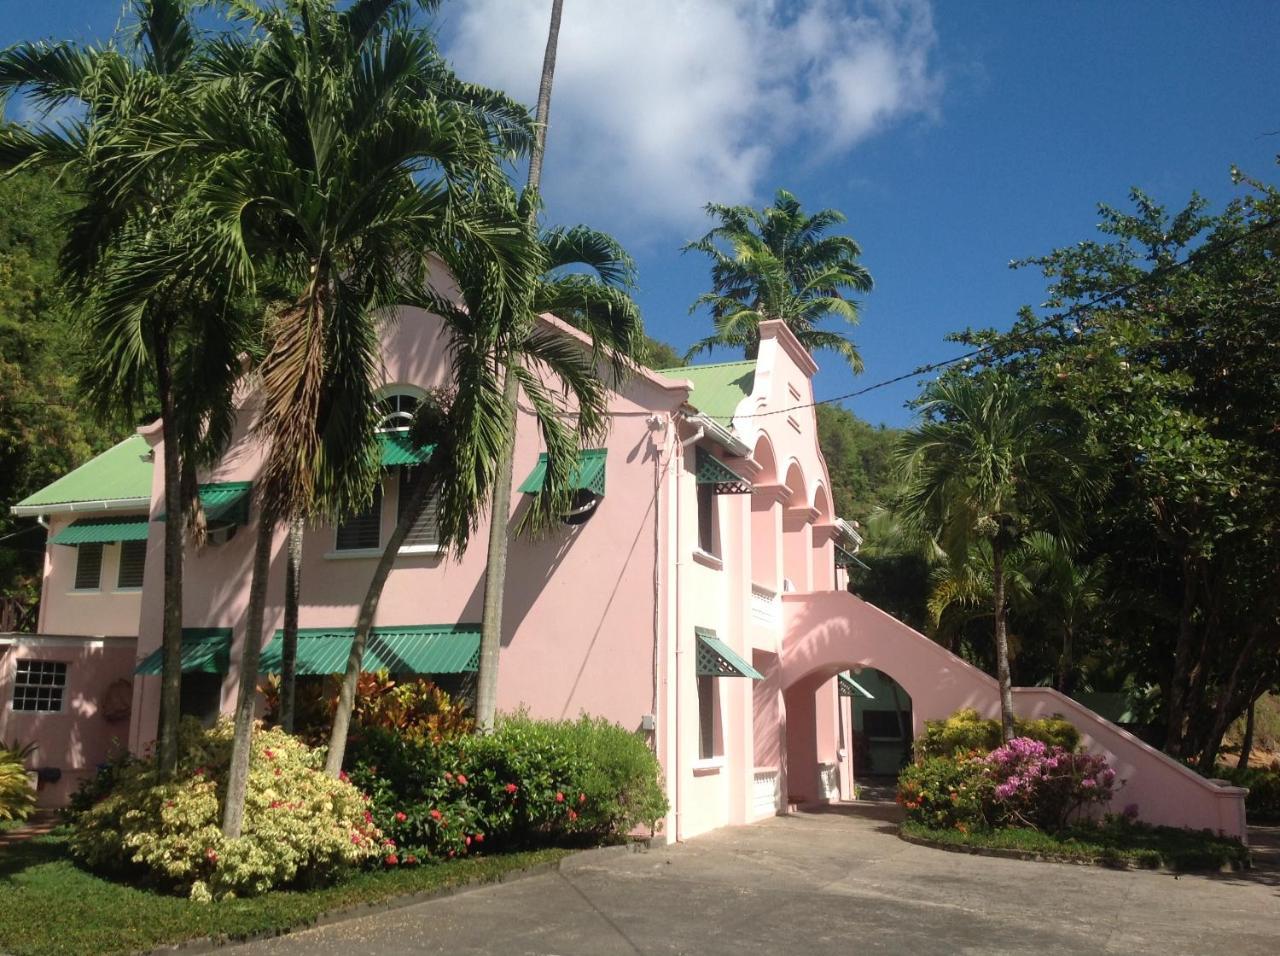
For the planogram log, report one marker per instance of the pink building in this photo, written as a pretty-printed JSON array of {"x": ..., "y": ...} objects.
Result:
[{"x": 696, "y": 595}]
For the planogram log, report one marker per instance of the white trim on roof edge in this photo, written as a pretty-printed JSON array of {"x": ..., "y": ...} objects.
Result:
[{"x": 66, "y": 507}]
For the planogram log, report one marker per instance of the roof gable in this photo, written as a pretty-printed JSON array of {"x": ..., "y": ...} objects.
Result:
[
  {"x": 717, "y": 389},
  {"x": 121, "y": 474}
]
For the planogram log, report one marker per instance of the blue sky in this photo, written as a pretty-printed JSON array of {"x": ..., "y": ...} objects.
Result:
[{"x": 955, "y": 136}]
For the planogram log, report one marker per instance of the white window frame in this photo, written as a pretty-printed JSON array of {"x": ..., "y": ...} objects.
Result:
[{"x": 58, "y": 670}]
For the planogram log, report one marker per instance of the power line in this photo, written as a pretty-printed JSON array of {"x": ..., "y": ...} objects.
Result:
[{"x": 1038, "y": 327}]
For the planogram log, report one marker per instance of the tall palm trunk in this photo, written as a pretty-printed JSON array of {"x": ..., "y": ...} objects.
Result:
[
  {"x": 1246, "y": 745},
  {"x": 364, "y": 624},
  {"x": 1064, "y": 661},
  {"x": 1002, "y": 641},
  {"x": 246, "y": 697},
  {"x": 171, "y": 631},
  {"x": 289, "y": 639},
  {"x": 495, "y": 580}
]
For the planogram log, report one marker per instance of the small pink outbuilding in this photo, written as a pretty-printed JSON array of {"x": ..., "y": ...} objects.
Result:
[{"x": 696, "y": 594}]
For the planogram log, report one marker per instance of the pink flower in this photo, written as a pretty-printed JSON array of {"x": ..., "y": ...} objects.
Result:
[
  {"x": 211, "y": 855},
  {"x": 512, "y": 788},
  {"x": 479, "y": 837},
  {"x": 462, "y": 779},
  {"x": 436, "y": 815},
  {"x": 448, "y": 777},
  {"x": 411, "y": 859},
  {"x": 573, "y": 815},
  {"x": 271, "y": 754},
  {"x": 356, "y": 839},
  {"x": 389, "y": 842},
  {"x": 559, "y": 797},
  {"x": 468, "y": 841},
  {"x": 368, "y": 817},
  {"x": 275, "y": 805},
  {"x": 582, "y": 798},
  {"x": 342, "y": 775},
  {"x": 391, "y": 859},
  {"x": 401, "y": 816}
]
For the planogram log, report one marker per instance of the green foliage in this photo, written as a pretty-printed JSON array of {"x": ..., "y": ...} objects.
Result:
[
  {"x": 1112, "y": 842},
  {"x": 859, "y": 460},
  {"x": 51, "y": 905},
  {"x": 17, "y": 796},
  {"x": 1262, "y": 805},
  {"x": 777, "y": 263},
  {"x": 301, "y": 827},
  {"x": 528, "y": 783},
  {"x": 948, "y": 793},
  {"x": 658, "y": 354},
  {"x": 967, "y": 732}
]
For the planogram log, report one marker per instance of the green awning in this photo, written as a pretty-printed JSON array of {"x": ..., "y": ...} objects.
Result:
[
  {"x": 588, "y": 473},
  {"x": 718, "y": 659},
  {"x": 710, "y": 470},
  {"x": 104, "y": 530},
  {"x": 851, "y": 688},
  {"x": 397, "y": 449},
  {"x": 421, "y": 649},
  {"x": 225, "y": 502},
  {"x": 205, "y": 650}
]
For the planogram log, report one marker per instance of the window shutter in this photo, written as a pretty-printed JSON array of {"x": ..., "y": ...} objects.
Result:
[
  {"x": 364, "y": 531},
  {"x": 425, "y": 532},
  {"x": 89, "y": 567},
  {"x": 133, "y": 562}
]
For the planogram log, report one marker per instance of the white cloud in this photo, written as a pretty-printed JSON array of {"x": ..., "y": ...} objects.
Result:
[{"x": 662, "y": 105}]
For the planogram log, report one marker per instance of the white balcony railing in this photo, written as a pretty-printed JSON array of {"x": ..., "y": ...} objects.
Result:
[
  {"x": 766, "y": 792},
  {"x": 766, "y": 609}
]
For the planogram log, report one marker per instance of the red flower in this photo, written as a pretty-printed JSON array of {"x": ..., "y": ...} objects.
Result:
[
  {"x": 573, "y": 815},
  {"x": 512, "y": 788},
  {"x": 342, "y": 775},
  {"x": 276, "y": 805},
  {"x": 391, "y": 859},
  {"x": 211, "y": 855},
  {"x": 479, "y": 837},
  {"x": 448, "y": 777},
  {"x": 389, "y": 842},
  {"x": 271, "y": 754},
  {"x": 401, "y": 816},
  {"x": 436, "y": 815},
  {"x": 277, "y": 771},
  {"x": 450, "y": 854},
  {"x": 559, "y": 797},
  {"x": 462, "y": 779},
  {"x": 200, "y": 771},
  {"x": 356, "y": 838},
  {"x": 368, "y": 817},
  {"x": 582, "y": 798},
  {"x": 411, "y": 858}
]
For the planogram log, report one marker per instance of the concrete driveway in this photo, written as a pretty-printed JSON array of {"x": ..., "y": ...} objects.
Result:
[{"x": 816, "y": 883}]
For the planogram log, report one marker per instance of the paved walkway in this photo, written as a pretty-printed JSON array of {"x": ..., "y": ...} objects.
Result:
[
  {"x": 38, "y": 824},
  {"x": 817, "y": 883}
]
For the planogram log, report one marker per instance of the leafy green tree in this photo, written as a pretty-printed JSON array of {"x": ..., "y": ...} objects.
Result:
[
  {"x": 1168, "y": 352},
  {"x": 988, "y": 464},
  {"x": 778, "y": 263},
  {"x": 859, "y": 460}
]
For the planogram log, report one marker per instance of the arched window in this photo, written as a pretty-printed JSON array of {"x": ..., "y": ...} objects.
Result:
[{"x": 396, "y": 410}]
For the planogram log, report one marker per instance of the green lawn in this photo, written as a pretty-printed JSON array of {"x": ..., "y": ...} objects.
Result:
[
  {"x": 1143, "y": 846},
  {"x": 49, "y": 905}
]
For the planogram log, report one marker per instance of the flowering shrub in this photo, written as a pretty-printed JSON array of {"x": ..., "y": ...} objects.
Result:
[
  {"x": 966, "y": 731},
  {"x": 528, "y": 783},
  {"x": 947, "y": 793},
  {"x": 301, "y": 827},
  {"x": 1043, "y": 786}
]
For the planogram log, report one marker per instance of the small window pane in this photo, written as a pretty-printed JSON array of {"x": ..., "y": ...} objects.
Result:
[
  {"x": 133, "y": 562},
  {"x": 364, "y": 531},
  {"x": 39, "y": 685},
  {"x": 425, "y": 532},
  {"x": 88, "y": 567},
  {"x": 397, "y": 411},
  {"x": 707, "y": 519},
  {"x": 706, "y": 717}
]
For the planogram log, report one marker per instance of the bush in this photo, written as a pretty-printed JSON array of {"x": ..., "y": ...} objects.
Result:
[
  {"x": 947, "y": 793},
  {"x": 529, "y": 783},
  {"x": 301, "y": 828},
  {"x": 1042, "y": 786},
  {"x": 1262, "y": 805},
  {"x": 966, "y": 732},
  {"x": 17, "y": 798}
]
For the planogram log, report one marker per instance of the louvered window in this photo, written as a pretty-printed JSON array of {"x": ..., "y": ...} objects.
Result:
[
  {"x": 364, "y": 531},
  {"x": 133, "y": 561},
  {"x": 88, "y": 567},
  {"x": 425, "y": 532}
]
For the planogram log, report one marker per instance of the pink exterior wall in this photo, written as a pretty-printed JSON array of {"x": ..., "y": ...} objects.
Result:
[
  {"x": 79, "y": 737},
  {"x": 834, "y": 631},
  {"x": 107, "y": 610}
]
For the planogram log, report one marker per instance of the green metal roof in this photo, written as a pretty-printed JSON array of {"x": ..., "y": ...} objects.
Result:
[
  {"x": 718, "y": 659},
  {"x": 104, "y": 530},
  {"x": 710, "y": 470},
  {"x": 225, "y": 502},
  {"x": 851, "y": 688},
  {"x": 717, "y": 389},
  {"x": 588, "y": 474},
  {"x": 120, "y": 474},
  {"x": 205, "y": 650},
  {"x": 421, "y": 649},
  {"x": 397, "y": 449}
]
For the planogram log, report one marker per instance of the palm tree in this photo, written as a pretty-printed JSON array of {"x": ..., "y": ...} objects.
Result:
[
  {"x": 776, "y": 263},
  {"x": 162, "y": 324},
  {"x": 1066, "y": 594},
  {"x": 332, "y": 163},
  {"x": 489, "y": 336},
  {"x": 990, "y": 464},
  {"x": 495, "y": 578}
]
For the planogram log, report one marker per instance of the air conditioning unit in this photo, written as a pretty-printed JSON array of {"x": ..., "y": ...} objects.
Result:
[{"x": 220, "y": 534}]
